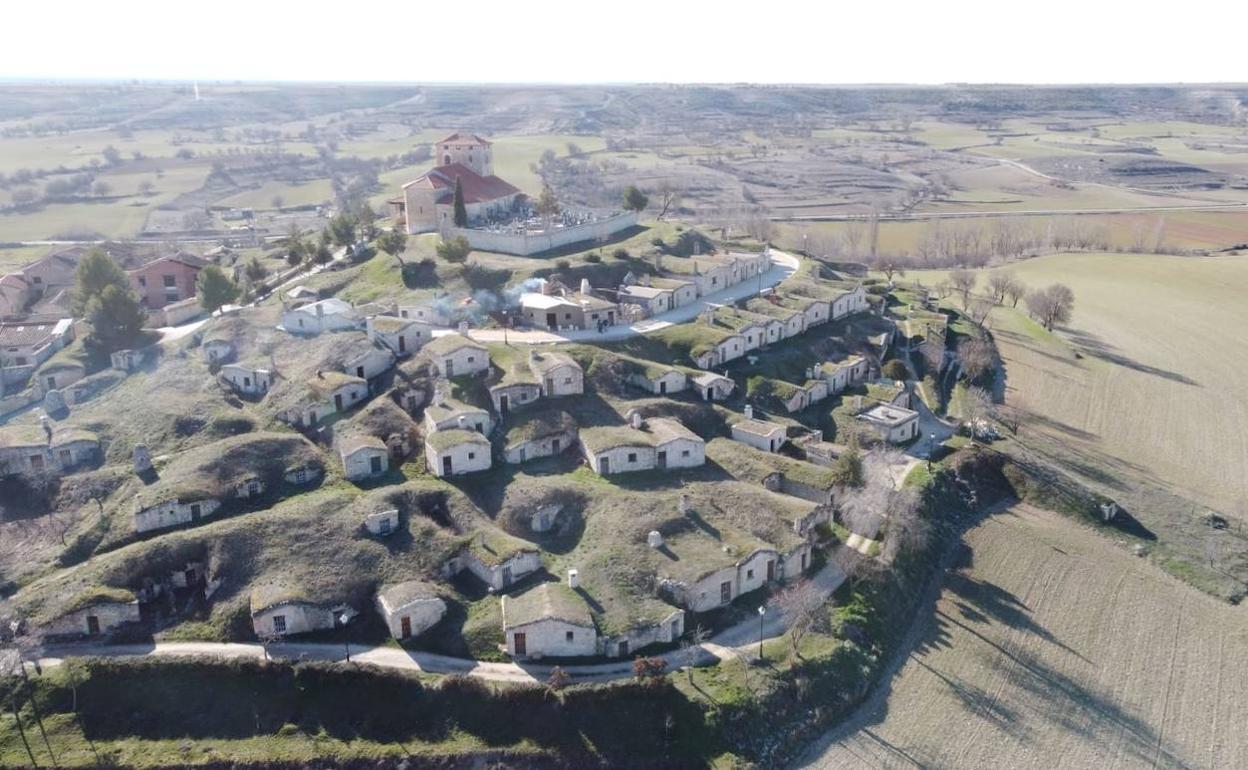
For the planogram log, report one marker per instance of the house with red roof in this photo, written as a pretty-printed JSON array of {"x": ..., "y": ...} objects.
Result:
[
  {"x": 166, "y": 280},
  {"x": 427, "y": 202}
]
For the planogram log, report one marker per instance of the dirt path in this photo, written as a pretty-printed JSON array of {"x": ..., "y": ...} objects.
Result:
[{"x": 1050, "y": 646}]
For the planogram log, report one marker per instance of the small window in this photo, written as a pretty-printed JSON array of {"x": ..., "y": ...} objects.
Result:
[
  {"x": 567, "y": 380},
  {"x": 472, "y": 455},
  {"x": 684, "y": 453},
  {"x": 569, "y": 636},
  {"x": 632, "y": 457},
  {"x": 471, "y": 359},
  {"x": 749, "y": 574},
  {"x": 385, "y": 526},
  {"x": 279, "y": 624},
  {"x": 170, "y": 282},
  {"x": 143, "y": 282}
]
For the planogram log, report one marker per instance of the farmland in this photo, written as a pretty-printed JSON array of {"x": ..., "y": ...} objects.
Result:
[{"x": 1051, "y": 647}]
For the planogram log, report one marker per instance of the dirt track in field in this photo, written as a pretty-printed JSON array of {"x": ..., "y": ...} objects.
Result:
[{"x": 1051, "y": 647}]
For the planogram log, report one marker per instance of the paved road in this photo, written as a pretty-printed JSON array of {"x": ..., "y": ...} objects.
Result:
[
  {"x": 783, "y": 265},
  {"x": 738, "y": 640}
]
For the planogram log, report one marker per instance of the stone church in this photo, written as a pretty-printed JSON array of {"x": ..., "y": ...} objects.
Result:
[{"x": 427, "y": 202}]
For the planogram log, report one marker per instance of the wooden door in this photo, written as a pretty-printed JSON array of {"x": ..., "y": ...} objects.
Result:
[
  {"x": 338, "y": 401},
  {"x": 506, "y": 576},
  {"x": 93, "y": 625},
  {"x": 771, "y": 571},
  {"x": 446, "y": 466},
  {"x": 604, "y": 465},
  {"x": 519, "y": 643},
  {"x": 662, "y": 460},
  {"x": 406, "y": 629}
]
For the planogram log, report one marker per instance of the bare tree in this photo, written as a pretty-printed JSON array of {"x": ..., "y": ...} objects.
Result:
[
  {"x": 669, "y": 197},
  {"x": 977, "y": 357},
  {"x": 978, "y": 311},
  {"x": 691, "y": 649},
  {"x": 998, "y": 283},
  {"x": 1015, "y": 291},
  {"x": 854, "y": 231},
  {"x": 1051, "y": 305},
  {"x": 873, "y": 233},
  {"x": 891, "y": 266},
  {"x": 907, "y": 530},
  {"x": 800, "y": 605},
  {"x": 963, "y": 283}
]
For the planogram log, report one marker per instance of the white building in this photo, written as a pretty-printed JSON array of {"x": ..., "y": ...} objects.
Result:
[
  {"x": 842, "y": 374},
  {"x": 497, "y": 562},
  {"x": 246, "y": 379},
  {"x": 163, "y": 514},
  {"x": 327, "y": 315},
  {"x": 850, "y": 302},
  {"x": 712, "y": 386},
  {"x": 410, "y": 608},
  {"x": 455, "y": 355},
  {"x": 893, "y": 424},
  {"x": 767, "y": 436},
  {"x": 655, "y": 443},
  {"x": 98, "y": 615},
  {"x": 657, "y": 379},
  {"x": 363, "y": 457},
  {"x": 558, "y": 373},
  {"x": 277, "y": 612},
  {"x": 369, "y": 363},
  {"x": 544, "y": 434},
  {"x": 450, "y": 414},
  {"x": 455, "y": 452},
  {"x": 548, "y": 620},
  {"x": 401, "y": 336}
]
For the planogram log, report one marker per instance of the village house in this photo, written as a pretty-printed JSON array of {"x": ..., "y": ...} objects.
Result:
[
  {"x": 33, "y": 450},
  {"x": 327, "y": 315},
  {"x": 716, "y": 347},
  {"x": 568, "y": 311},
  {"x": 171, "y": 512},
  {"x": 544, "y": 434},
  {"x": 455, "y": 452},
  {"x": 167, "y": 280},
  {"x": 558, "y": 373},
  {"x": 494, "y": 558},
  {"x": 454, "y": 355},
  {"x": 816, "y": 310},
  {"x": 684, "y": 292},
  {"x": 434, "y": 313},
  {"x": 95, "y": 612},
  {"x": 247, "y": 379},
  {"x": 58, "y": 373},
  {"x": 656, "y": 378},
  {"x": 816, "y": 391},
  {"x": 750, "y": 328},
  {"x": 409, "y": 608},
  {"x": 363, "y": 457},
  {"x": 651, "y": 299},
  {"x": 324, "y": 394},
  {"x": 26, "y": 345},
  {"x": 548, "y": 620},
  {"x": 401, "y": 336},
  {"x": 719, "y": 586},
  {"x": 792, "y": 322},
  {"x": 645, "y": 444},
  {"x": 712, "y": 387},
  {"x": 664, "y": 629},
  {"x": 850, "y": 302},
  {"x": 450, "y": 414},
  {"x": 367, "y": 361},
  {"x": 767, "y": 436},
  {"x": 844, "y": 373},
  {"x": 427, "y": 202},
  {"x": 278, "y": 611},
  {"x": 894, "y": 424},
  {"x": 517, "y": 386},
  {"x": 382, "y": 523}
]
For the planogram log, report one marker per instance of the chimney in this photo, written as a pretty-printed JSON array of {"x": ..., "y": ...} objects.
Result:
[
  {"x": 749, "y": 412},
  {"x": 658, "y": 261},
  {"x": 685, "y": 504},
  {"x": 574, "y": 579},
  {"x": 654, "y": 539},
  {"x": 46, "y": 424},
  {"x": 634, "y": 419},
  {"x": 463, "y": 327},
  {"x": 463, "y": 422},
  {"x": 320, "y": 309},
  {"x": 585, "y": 287}
]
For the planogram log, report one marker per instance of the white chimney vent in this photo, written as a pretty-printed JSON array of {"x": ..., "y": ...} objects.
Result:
[
  {"x": 634, "y": 419},
  {"x": 749, "y": 412},
  {"x": 585, "y": 287},
  {"x": 685, "y": 504},
  {"x": 463, "y": 422},
  {"x": 654, "y": 539},
  {"x": 574, "y": 579},
  {"x": 463, "y": 327}
]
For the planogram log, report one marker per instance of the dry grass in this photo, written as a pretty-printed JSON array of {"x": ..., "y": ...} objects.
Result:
[{"x": 1053, "y": 647}]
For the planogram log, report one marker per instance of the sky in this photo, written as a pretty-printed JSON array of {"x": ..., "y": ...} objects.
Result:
[{"x": 564, "y": 41}]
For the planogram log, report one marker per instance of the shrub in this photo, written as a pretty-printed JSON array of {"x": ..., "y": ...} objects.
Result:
[
  {"x": 454, "y": 250},
  {"x": 593, "y": 258},
  {"x": 621, "y": 254},
  {"x": 562, "y": 264},
  {"x": 894, "y": 369}
]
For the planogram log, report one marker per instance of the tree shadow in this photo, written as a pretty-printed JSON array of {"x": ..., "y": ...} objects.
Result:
[{"x": 1098, "y": 348}]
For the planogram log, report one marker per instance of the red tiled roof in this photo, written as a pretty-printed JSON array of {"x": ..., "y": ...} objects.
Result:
[
  {"x": 458, "y": 138},
  {"x": 477, "y": 188}
]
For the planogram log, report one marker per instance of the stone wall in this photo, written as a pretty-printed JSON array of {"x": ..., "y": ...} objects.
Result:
[{"x": 526, "y": 244}]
